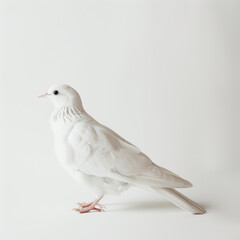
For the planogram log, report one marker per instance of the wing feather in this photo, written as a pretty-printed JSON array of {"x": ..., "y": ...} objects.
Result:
[{"x": 102, "y": 152}]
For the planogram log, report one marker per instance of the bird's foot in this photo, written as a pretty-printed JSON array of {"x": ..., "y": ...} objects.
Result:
[
  {"x": 87, "y": 207},
  {"x": 83, "y": 204}
]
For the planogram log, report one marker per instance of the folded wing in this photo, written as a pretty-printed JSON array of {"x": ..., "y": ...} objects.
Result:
[{"x": 101, "y": 152}]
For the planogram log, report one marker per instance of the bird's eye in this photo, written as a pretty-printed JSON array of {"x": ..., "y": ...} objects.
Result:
[{"x": 55, "y": 92}]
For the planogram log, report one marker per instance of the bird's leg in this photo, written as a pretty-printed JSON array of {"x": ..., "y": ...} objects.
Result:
[{"x": 87, "y": 207}]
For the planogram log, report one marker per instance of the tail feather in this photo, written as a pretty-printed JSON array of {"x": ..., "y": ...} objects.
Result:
[{"x": 180, "y": 200}]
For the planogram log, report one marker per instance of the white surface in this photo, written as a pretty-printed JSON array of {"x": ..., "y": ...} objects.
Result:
[
  {"x": 136, "y": 215},
  {"x": 172, "y": 64}
]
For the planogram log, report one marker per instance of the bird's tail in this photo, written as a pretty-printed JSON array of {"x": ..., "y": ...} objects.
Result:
[{"x": 180, "y": 200}]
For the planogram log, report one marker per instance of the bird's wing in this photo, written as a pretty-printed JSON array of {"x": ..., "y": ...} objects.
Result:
[{"x": 101, "y": 152}]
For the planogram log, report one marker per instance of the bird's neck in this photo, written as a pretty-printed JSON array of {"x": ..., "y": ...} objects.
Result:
[{"x": 67, "y": 114}]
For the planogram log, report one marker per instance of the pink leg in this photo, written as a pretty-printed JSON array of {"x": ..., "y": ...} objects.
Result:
[{"x": 87, "y": 207}]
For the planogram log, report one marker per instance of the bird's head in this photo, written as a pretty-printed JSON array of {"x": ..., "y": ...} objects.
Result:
[{"x": 63, "y": 95}]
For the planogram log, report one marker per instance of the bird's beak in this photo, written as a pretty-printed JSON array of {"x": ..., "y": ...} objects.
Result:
[{"x": 43, "y": 95}]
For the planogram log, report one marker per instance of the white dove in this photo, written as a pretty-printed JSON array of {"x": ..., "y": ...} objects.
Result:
[{"x": 96, "y": 156}]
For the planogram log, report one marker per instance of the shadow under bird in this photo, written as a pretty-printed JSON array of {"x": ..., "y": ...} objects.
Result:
[{"x": 100, "y": 159}]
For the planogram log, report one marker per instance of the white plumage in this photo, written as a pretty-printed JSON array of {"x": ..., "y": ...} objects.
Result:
[{"x": 96, "y": 156}]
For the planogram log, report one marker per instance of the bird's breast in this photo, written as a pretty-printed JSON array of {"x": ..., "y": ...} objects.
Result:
[{"x": 63, "y": 150}]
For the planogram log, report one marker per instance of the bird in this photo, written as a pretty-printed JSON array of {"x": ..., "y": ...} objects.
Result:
[{"x": 101, "y": 160}]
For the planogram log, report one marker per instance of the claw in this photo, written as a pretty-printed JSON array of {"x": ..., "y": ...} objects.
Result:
[{"x": 99, "y": 209}]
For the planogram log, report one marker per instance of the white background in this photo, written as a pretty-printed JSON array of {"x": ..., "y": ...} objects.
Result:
[{"x": 164, "y": 74}]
